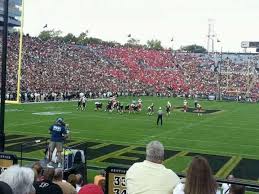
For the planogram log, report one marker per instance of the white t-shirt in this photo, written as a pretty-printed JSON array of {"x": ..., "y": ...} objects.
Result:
[
  {"x": 225, "y": 187},
  {"x": 78, "y": 187},
  {"x": 150, "y": 178}
]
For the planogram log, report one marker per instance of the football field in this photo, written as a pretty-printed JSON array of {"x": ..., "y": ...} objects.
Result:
[{"x": 227, "y": 134}]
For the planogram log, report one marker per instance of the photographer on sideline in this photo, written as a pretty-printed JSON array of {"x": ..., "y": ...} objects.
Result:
[{"x": 58, "y": 133}]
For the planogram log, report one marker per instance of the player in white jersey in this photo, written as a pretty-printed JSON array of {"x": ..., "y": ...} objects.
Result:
[
  {"x": 139, "y": 104},
  {"x": 168, "y": 108},
  {"x": 185, "y": 105},
  {"x": 150, "y": 109},
  {"x": 83, "y": 100},
  {"x": 81, "y": 94}
]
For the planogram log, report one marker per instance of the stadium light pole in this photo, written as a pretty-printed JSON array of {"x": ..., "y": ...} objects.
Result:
[
  {"x": 3, "y": 75},
  {"x": 221, "y": 64}
]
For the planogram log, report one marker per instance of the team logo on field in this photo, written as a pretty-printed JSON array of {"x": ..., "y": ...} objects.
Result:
[{"x": 51, "y": 113}]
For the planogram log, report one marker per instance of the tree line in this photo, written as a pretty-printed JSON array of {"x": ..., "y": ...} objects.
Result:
[{"x": 84, "y": 39}]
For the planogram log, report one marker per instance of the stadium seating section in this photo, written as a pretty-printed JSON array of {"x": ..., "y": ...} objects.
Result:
[{"x": 53, "y": 66}]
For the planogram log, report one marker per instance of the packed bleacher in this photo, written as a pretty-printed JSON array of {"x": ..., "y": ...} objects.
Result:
[{"x": 54, "y": 69}]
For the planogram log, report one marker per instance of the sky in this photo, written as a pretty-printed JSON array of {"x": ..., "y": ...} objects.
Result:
[{"x": 186, "y": 21}]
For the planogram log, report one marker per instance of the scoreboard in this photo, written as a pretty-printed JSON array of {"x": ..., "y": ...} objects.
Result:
[
  {"x": 115, "y": 180},
  {"x": 249, "y": 44}
]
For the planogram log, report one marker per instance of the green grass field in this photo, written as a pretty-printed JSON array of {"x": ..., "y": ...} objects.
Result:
[{"x": 228, "y": 138}]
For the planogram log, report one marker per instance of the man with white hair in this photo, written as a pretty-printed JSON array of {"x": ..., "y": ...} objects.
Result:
[
  {"x": 20, "y": 179},
  {"x": 151, "y": 176}
]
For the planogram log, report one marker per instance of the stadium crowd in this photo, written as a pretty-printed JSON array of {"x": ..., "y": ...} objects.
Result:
[
  {"x": 147, "y": 177},
  {"x": 56, "y": 70},
  {"x": 39, "y": 180}
]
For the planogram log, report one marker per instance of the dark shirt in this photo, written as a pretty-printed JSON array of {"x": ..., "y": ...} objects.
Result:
[
  {"x": 47, "y": 187},
  {"x": 57, "y": 132}
]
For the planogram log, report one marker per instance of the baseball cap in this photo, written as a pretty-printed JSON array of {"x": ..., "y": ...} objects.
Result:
[
  {"x": 91, "y": 189},
  {"x": 60, "y": 121}
]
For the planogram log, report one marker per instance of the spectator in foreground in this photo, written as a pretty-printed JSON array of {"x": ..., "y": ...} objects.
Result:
[
  {"x": 72, "y": 180},
  {"x": 46, "y": 186},
  {"x": 79, "y": 182},
  {"x": 5, "y": 188},
  {"x": 37, "y": 168},
  {"x": 66, "y": 187},
  {"x": 151, "y": 176},
  {"x": 199, "y": 179},
  {"x": 237, "y": 189},
  {"x": 91, "y": 189},
  {"x": 20, "y": 179},
  {"x": 225, "y": 186},
  {"x": 99, "y": 180}
]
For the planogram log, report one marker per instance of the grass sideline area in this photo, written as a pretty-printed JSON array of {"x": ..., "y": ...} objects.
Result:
[{"x": 227, "y": 135}]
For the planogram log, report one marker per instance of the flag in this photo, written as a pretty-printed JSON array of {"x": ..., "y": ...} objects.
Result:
[
  {"x": 172, "y": 39},
  {"x": 129, "y": 35},
  {"x": 46, "y": 25}
]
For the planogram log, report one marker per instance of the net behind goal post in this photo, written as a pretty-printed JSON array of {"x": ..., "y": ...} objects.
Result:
[{"x": 18, "y": 89}]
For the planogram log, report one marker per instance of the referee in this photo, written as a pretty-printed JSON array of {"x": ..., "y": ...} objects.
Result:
[{"x": 159, "y": 116}]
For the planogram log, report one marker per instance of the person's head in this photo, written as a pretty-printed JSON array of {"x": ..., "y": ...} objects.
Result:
[
  {"x": 20, "y": 179},
  {"x": 5, "y": 188},
  {"x": 90, "y": 189},
  {"x": 58, "y": 174},
  {"x": 237, "y": 189},
  {"x": 155, "y": 152},
  {"x": 37, "y": 168},
  {"x": 79, "y": 179},
  {"x": 199, "y": 178},
  {"x": 72, "y": 180},
  {"x": 231, "y": 177},
  {"x": 48, "y": 174},
  {"x": 60, "y": 121}
]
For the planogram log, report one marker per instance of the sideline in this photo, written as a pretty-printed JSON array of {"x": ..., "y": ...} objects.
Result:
[{"x": 62, "y": 101}]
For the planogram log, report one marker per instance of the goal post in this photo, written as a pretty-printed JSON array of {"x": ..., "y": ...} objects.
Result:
[{"x": 19, "y": 71}]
